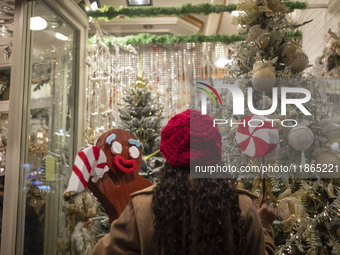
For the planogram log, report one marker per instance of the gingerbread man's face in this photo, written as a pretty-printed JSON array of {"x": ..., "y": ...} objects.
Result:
[
  {"x": 122, "y": 151},
  {"x": 124, "y": 159}
]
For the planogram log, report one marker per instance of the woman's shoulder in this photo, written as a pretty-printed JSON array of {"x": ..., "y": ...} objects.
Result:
[
  {"x": 141, "y": 200},
  {"x": 246, "y": 203},
  {"x": 146, "y": 191}
]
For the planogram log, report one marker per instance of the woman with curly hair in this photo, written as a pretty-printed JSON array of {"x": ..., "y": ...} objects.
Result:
[{"x": 181, "y": 215}]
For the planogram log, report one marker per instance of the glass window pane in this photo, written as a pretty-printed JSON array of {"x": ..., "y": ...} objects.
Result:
[
  {"x": 3, "y": 141},
  {"x": 5, "y": 76},
  {"x": 49, "y": 130}
]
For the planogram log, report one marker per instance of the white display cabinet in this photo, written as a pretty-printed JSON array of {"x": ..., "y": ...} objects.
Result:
[{"x": 45, "y": 126}]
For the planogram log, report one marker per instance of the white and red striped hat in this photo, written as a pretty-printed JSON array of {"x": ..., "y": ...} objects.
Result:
[{"x": 89, "y": 162}]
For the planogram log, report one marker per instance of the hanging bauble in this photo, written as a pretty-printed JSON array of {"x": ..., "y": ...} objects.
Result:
[
  {"x": 241, "y": 29},
  {"x": 254, "y": 33},
  {"x": 256, "y": 136},
  {"x": 290, "y": 206},
  {"x": 332, "y": 130},
  {"x": 259, "y": 2},
  {"x": 329, "y": 163},
  {"x": 297, "y": 61},
  {"x": 248, "y": 11},
  {"x": 263, "y": 41},
  {"x": 289, "y": 48},
  {"x": 300, "y": 137},
  {"x": 328, "y": 159},
  {"x": 286, "y": 193},
  {"x": 263, "y": 77}
]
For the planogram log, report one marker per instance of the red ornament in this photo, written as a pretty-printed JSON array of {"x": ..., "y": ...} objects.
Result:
[{"x": 257, "y": 136}]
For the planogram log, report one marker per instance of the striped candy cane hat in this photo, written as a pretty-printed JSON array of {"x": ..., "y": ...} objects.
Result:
[{"x": 89, "y": 162}]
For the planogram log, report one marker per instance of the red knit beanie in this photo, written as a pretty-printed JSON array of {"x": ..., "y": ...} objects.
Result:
[{"x": 191, "y": 129}]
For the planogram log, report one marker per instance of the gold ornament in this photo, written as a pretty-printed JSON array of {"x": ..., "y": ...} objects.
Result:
[
  {"x": 327, "y": 159},
  {"x": 254, "y": 33},
  {"x": 263, "y": 41},
  {"x": 289, "y": 48},
  {"x": 332, "y": 130},
  {"x": 263, "y": 78},
  {"x": 297, "y": 61},
  {"x": 286, "y": 193},
  {"x": 290, "y": 206},
  {"x": 249, "y": 14}
]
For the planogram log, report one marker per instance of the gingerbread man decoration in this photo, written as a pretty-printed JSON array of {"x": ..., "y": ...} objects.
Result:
[{"x": 110, "y": 170}]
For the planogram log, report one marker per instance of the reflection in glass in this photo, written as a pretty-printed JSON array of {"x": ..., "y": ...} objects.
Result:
[
  {"x": 5, "y": 76},
  {"x": 3, "y": 141}
]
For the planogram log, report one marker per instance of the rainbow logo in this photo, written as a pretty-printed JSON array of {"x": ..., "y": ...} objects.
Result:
[{"x": 208, "y": 92}]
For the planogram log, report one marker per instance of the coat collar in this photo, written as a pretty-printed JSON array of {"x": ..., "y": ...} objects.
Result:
[{"x": 148, "y": 190}]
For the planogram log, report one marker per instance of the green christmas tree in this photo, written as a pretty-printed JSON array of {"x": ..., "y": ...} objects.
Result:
[
  {"x": 141, "y": 115},
  {"x": 272, "y": 56}
]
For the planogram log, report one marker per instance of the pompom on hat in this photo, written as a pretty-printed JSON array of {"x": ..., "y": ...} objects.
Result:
[{"x": 191, "y": 137}]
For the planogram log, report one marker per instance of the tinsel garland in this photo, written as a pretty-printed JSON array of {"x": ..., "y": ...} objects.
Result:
[
  {"x": 111, "y": 12},
  {"x": 168, "y": 39}
]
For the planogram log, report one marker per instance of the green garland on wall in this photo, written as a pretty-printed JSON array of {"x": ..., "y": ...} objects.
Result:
[
  {"x": 144, "y": 38},
  {"x": 296, "y": 5},
  {"x": 110, "y": 12},
  {"x": 168, "y": 39}
]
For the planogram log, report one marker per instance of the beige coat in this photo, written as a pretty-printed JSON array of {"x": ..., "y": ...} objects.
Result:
[{"x": 133, "y": 232}]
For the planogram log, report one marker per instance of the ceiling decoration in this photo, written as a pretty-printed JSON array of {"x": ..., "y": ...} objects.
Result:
[
  {"x": 167, "y": 39},
  {"x": 111, "y": 12},
  {"x": 145, "y": 18}
]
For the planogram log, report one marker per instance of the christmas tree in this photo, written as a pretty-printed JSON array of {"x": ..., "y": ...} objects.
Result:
[
  {"x": 272, "y": 58},
  {"x": 141, "y": 115}
]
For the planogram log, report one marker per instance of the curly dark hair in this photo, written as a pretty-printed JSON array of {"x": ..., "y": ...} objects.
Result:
[{"x": 195, "y": 216}]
